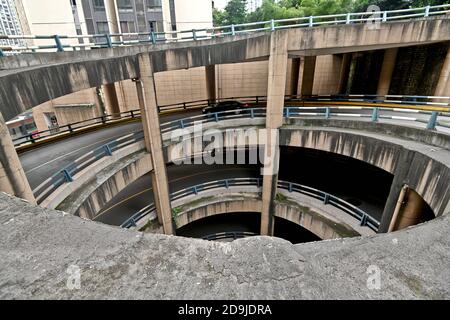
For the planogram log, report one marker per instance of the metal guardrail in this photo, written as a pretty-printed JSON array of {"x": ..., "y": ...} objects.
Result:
[
  {"x": 374, "y": 113},
  {"x": 74, "y": 126},
  {"x": 66, "y": 175},
  {"x": 96, "y": 41},
  {"x": 364, "y": 218},
  {"x": 230, "y": 235},
  {"x": 441, "y": 103}
]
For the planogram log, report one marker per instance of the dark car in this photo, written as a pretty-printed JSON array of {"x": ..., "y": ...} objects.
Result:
[{"x": 225, "y": 106}]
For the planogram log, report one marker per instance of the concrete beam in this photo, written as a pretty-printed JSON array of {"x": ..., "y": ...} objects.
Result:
[
  {"x": 12, "y": 176},
  {"x": 306, "y": 78},
  {"x": 150, "y": 121},
  {"x": 443, "y": 85},
  {"x": 387, "y": 69},
  {"x": 210, "y": 72},
  {"x": 274, "y": 119},
  {"x": 112, "y": 106},
  {"x": 295, "y": 70},
  {"x": 344, "y": 72},
  {"x": 112, "y": 17}
]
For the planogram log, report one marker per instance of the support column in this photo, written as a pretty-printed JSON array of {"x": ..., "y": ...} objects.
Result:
[
  {"x": 274, "y": 119},
  {"x": 295, "y": 70},
  {"x": 150, "y": 121},
  {"x": 411, "y": 211},
  {"x": 387, "y": 69},
  {"x": 344, "y": 72},
  {"x": 112, "y": 17},
  {"x": 306, "y": 78},
  {"x": 210, "y": 72},
  {"x": 400, "y": 179},
  {"x": 12, "y": 177},
  {"x": 443, "y": 85},
  {"x": 111, "y": 101}
]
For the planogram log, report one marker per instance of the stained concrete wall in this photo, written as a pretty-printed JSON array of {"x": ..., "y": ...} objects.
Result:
[
  {"x": 423, "y": 65},
  {"x": 102, "y": 181},
  {"x": 326, "y": 76},
  {"x": 309, "y": 217},
  {"x": 78, "y": 106}
]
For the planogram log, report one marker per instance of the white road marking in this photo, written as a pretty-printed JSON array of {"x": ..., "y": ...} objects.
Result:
[{"x": 67, "y": 154}]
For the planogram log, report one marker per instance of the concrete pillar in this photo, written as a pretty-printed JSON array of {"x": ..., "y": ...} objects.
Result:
[
  {"x": 443, "y": 85},
  {"x": 295, "y": 70},
  {"x": 210, "y": 72},
  {"x": 411, "y": 212},
  {"x": 274, "y": 119},
  {"x": 112, "y": 17},
  {"x": 306, "y": 77},
  {"x": 12, "y": 177},
  {"x": 111, "y": 101},
  {"x": 150, "y": 121},
  {"x": 387, "y": 69},
  {"x": 344, "y": 72},
  {"x": 400, "y": 179}
]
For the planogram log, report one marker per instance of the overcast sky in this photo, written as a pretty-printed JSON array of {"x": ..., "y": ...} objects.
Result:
[{"x": 220, "y": 4}]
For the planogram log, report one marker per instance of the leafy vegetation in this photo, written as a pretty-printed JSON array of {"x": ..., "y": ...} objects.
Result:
[{"x": 236, "y": 10}]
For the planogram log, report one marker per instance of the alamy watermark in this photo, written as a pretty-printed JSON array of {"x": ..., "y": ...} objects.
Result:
[{"x": 229, "y": 146}]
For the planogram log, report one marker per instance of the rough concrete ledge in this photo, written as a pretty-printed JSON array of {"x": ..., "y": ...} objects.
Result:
[{"x": 38, "y": 245}]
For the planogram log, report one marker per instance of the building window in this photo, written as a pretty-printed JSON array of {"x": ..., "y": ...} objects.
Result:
[
  {"x": 99, "y": 5},
  {"x": 30, "y": 126},
  {"x": 127, "y": 27},
  {"x": 155, "y": 26},
  {"x": 125, "y": 5},
  {"x": 153, "y": 5},
  {"x": 102, "y": 28}
]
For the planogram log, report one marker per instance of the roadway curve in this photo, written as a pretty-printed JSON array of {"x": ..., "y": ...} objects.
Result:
[{"x": 41, "y": 163}]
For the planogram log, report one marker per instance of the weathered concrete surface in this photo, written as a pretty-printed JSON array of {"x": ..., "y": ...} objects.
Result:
[
  {"x": 92, "y": 196},
  {"x": 38, "y": 245}
]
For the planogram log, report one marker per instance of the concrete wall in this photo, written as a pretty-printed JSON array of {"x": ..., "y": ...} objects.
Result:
[
  {"x": 180, "y": 85},
  {"x": 79, "y": 106},
  {"x": 307, "y": 217},
  {"x": 193, "y": 14},
  {"x": 326, "y": 76},
  {"x": 49, "y": 17}
]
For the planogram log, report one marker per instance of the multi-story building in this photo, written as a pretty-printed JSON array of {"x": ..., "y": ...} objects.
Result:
[
  {"x": 143, "y": 15},
  {"x": 9, "y": 22}
]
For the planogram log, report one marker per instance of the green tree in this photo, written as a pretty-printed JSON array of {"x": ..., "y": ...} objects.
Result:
[
  {"x": 219, "y": 17},
  {"x": 236, "y": 11}
]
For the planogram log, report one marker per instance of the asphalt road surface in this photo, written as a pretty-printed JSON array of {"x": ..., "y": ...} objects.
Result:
[{"x": 43, "y": 162}]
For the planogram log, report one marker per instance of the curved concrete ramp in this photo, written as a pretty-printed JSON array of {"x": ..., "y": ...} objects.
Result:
[{"x": 39, "y": 246}]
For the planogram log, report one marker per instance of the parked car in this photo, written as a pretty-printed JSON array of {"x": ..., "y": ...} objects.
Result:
[{"x": 225, "y": 106}]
